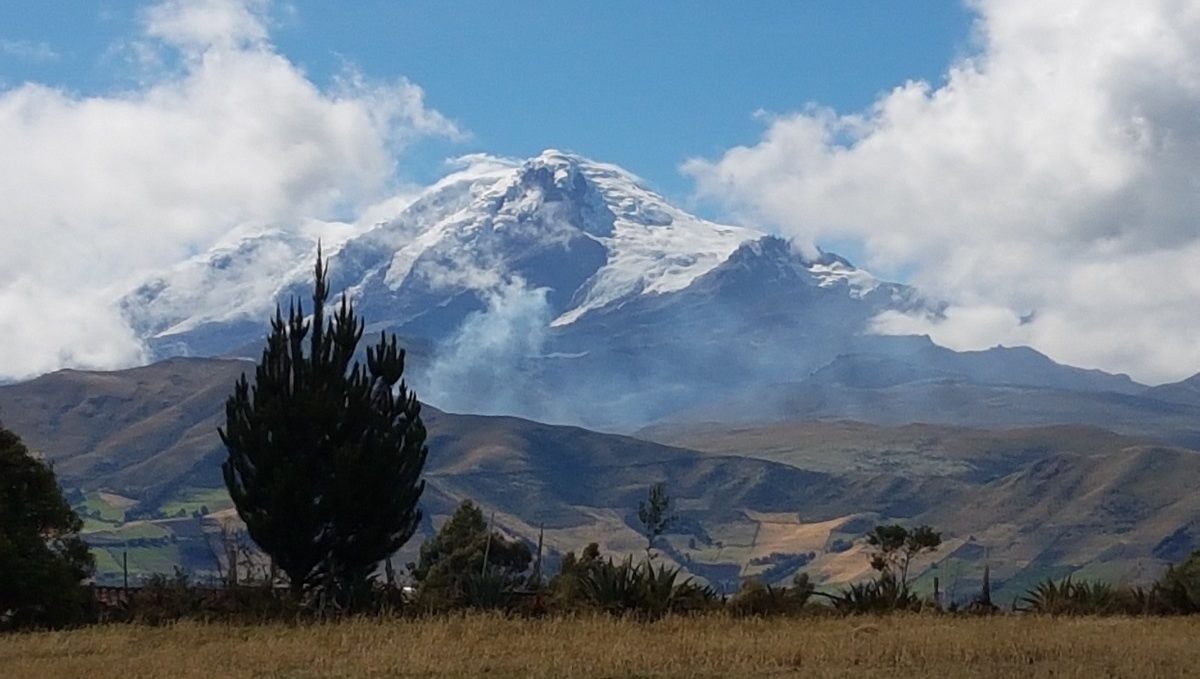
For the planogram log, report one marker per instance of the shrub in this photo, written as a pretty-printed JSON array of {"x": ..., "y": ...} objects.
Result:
[
  {"x": 756, "y": 598},
  {"x": 164, "y": 599},
  {"x": 1178, "y": 590},
  {"x": 452, "y": 569},
  {"x": 692, "y": 597},
  {"x": 566, "y": 587}
]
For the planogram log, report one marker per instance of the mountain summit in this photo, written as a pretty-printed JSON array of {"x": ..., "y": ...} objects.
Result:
[
  {"x": 556, "y": 288},
  {"x": 588, "y": 234}
]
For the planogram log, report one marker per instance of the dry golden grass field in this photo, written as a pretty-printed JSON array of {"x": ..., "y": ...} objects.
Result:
[{"x": 899, "y": 646}]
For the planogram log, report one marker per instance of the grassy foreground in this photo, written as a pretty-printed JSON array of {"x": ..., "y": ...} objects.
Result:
[{"x": 716, "y": 646}]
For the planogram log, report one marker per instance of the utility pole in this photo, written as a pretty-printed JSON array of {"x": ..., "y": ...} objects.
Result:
[
  {"x": 537, "y": 569},
  {"x": 487, "y": 548}
]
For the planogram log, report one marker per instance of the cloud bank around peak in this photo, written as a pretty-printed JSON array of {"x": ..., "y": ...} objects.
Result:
[
  {"x": 1049, "y": 188},
  {"x": 222, "y": 131}
]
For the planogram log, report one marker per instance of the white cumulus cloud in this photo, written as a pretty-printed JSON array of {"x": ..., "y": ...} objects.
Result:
[
  {"x": 1049, "y": 188},
  {"x": 99, "y": 188}
]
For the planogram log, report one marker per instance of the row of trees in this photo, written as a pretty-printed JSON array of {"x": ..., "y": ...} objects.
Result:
[{"x": 468, "y": 564}]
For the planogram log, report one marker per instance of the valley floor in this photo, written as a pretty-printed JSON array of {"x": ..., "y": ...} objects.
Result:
[{"x": 715, "y": 646}]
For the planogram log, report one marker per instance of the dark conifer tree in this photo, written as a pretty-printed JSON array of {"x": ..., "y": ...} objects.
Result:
[
  {"x": 655, "y": 515},
  {"x": 325, "y": 454}
]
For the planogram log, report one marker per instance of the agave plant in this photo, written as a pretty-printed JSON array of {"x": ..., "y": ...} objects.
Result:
[
  {"x": 1048, "y": 598},
  {"x": 488, "y": 591},
  {"x": 1067, "y": 597},
  {"x": 881, "y": 595},
  {"x": 659, "y": 586},
  {"x": 862, "y": 597},
  {"x": 1096, "y": 598},
  {"x": 625, "y": 588},
  {"x": 615, "y": 588}
]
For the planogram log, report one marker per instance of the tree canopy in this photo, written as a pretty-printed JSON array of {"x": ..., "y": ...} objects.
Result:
[
  {"x": 895, "y": 546},
  {"x": 42, "y": 558},
  {"x": 450, "y": 560},
  {"x": 325, "y": 453}
]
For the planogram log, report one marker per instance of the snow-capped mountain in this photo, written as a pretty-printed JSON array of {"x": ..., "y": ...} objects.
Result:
[
  {"x": 195, "y": 308},
  {"x": 532, "y": 278},
  {"x": 588, "y": 234}
]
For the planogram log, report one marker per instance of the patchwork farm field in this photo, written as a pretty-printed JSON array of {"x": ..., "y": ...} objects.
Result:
[{"x": 713, "y": 646}]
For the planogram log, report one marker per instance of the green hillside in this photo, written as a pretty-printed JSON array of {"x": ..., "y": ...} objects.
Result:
[{"x": 138, "y": 452}]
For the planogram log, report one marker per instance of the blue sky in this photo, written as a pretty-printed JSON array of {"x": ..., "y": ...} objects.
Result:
[{"x": 644, "y": 85}]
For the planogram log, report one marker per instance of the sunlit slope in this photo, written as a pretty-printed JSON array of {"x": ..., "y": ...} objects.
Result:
[{"x": 139, "y": 453}]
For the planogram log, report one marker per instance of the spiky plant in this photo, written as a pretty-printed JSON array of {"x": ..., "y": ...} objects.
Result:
[
  {"x": 1067, "y": 597},
  {"x": 881, "y": 595},
  {"x": 614, "y": 588},
  {"x": 642, "y": 590},
  {"x": 1048, "y": 598},
  {"x": 659, "y": 588},
  {"x": 491, "y": 590}
]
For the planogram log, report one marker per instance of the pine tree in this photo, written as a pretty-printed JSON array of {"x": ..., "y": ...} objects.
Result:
[
  {"x": 42, "y": 558},
  {"x": 655, "y": 514},
  {"x": 325, "y": 454}
]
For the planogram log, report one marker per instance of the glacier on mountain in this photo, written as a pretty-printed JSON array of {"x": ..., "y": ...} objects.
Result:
[
  {"x": 472, "y": 231},
  {"x": 534, "y": 280}
]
